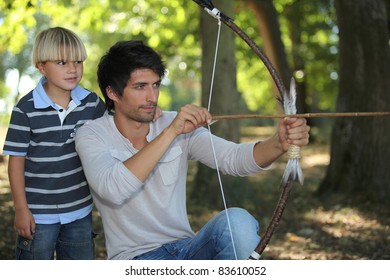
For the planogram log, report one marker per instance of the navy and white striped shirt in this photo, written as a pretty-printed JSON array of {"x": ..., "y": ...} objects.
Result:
[{"x": 44, "y": 133}]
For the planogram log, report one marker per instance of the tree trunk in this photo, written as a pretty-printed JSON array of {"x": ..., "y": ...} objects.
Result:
[
  {"x": 360, "y": 153},
  {"x": 293, "y": 13},
  {"x": 267, "y": 19},
  {"x": 225, "y": 97}
]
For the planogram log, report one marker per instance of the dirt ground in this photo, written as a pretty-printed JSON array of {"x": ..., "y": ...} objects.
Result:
[
  {"x": 312, "y": 227},
  {"x": 318, "y": 228}
]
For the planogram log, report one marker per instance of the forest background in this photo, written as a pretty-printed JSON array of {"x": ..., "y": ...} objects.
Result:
[{"x": 338, "y": 51}]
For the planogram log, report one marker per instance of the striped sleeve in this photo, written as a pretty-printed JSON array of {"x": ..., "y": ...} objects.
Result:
[{"x": 18, "y": 134}]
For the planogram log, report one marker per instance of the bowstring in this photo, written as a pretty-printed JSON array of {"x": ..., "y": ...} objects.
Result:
[{"x": 215, "y": 13}]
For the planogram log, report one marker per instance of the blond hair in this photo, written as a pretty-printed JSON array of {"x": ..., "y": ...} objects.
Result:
[{"x": 58, "y": 43}]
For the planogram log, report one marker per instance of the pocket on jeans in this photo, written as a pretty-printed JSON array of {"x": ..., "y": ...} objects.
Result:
[{"x": 23, "y": 243}]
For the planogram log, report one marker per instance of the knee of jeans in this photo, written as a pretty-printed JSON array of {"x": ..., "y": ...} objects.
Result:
[
  {"x": 245, "y": 230},
  {"x": 242, "y": 219},
  {"x": 245, "y": 227}
]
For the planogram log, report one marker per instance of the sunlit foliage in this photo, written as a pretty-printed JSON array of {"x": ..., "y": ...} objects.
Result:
[{"x": 172, "y": 28}]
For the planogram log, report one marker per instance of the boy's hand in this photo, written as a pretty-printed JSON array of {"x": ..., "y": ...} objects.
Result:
[
  {"x": 158, "y": 113},
  {"x": 24, "y": 223}
]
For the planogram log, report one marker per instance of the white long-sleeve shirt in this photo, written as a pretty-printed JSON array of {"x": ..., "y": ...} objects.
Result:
[{"x": 141, "y": 216}]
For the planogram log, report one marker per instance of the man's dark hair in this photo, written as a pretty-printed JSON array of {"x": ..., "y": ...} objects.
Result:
[{"x": 121, "y": 60}]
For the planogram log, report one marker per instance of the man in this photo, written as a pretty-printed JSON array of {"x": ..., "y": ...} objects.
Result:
[{"x": 137, "y": 167}]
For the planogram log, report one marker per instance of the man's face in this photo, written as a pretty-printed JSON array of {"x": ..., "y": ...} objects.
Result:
[{"x": 140, "y": 96}]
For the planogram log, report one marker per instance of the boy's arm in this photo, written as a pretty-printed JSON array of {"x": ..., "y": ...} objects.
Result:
[{"x": 24, "y": 222}]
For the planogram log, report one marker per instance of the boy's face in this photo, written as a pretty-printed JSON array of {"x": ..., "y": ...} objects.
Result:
[
  {"x": 140, "y": 96},
  {"x": 61, "y": 75}
]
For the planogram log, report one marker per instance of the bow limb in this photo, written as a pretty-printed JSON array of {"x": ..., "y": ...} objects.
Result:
[
  {"x": 286, "y": 184},
  {"x": 278, "y": 212},
  {"x": 271, "y": 69},
  {"x": 209, "y": 7}
]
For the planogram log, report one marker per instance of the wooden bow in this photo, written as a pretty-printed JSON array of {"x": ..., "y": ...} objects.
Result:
[{"x": 208, "y": 6}]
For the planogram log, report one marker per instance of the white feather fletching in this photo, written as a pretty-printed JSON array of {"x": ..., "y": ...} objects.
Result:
[{"x": 293, "y": 168}]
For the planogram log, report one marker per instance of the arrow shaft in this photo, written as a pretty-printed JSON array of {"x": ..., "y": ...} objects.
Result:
[{"x": 305, "y": 115}]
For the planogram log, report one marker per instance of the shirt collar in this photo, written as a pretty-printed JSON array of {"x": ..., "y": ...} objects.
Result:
[{"x": 42, "y": 100}]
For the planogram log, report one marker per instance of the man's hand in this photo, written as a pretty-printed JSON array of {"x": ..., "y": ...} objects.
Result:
[
  {"x": 293, "y": 131},
  {"x": 189, "y": 118}
]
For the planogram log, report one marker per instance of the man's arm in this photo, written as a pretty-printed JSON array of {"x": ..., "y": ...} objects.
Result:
[
  {"x": 142, "y": 163},
  {"x": 290, "y": 131},
  {"x": 188, "y": 119},
  {"x": 116, "y": 177}
]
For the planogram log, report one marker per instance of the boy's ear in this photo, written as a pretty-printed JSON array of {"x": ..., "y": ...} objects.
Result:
[{"x": 41, "y": 67}]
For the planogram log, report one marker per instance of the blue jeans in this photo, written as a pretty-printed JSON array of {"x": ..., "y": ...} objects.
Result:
[
  {"x": 213, "y": 241},
  {"x": 72, "y": 241}
]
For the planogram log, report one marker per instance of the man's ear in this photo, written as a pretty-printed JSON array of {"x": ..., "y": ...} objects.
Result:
[{"x": 111, "y": 93}]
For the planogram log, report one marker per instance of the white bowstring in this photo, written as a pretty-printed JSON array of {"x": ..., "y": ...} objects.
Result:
[{"x": 211, "y": 139}]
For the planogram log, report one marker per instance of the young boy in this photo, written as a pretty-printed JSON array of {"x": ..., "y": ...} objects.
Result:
[{"x": 51, "y": 196}]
